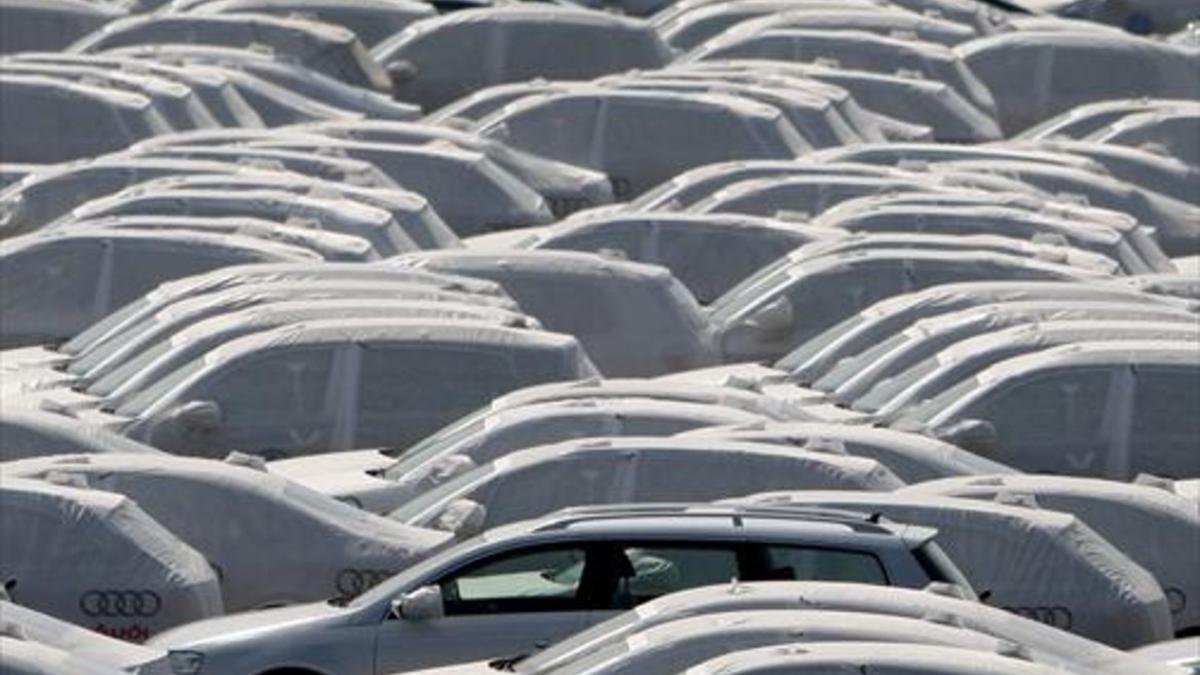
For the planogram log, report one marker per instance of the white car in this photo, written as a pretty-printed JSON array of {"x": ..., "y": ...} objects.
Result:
[
  {"x": 64, "y": 644},
  {"x": 97, "y": 560},
  {"x": 319, "y": 548},
  {"x": 381, "y": 481},
  {"x": 1141, "y": 520},
  {"x": 954, "y": 602},
  {"x": 537, "y": 481},
  {"x": 634, "y": 319},
  {"x": 1041, "y": 564}
]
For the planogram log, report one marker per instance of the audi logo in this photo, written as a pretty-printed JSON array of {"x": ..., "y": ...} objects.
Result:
[
  {"x": 1057, "y": 616},
  {"x": 124, "y": 603},
  {"x": 351, "y": 583}
]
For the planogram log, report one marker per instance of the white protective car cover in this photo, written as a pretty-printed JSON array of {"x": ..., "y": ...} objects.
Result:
[
  {"x": 642, "y": 138},
  {"x": 382, "y": 481},
  {"x": 32, "y": 433},
  {"x": 634, "y": 319},
  {"x": 19, "y": 623},
  {"x": 34, "y": 25},
  {"x": 371, "y": 20},
  {"x": 852, "y": 49},
  {"x": 515, "y": 358},
  {"x": 23, "y": 657},
  {"x": 1176, "y": 131},
  {"x": 938, "y": 602},
  {"x": 332, "y": 50},
  {"x": 98, "y": 560},
  {"x": 669, "y": 648},
  {"x": 514, "y": 44},
  {"x": 869, "y": 657},
  {"x": 708, "y": 253},
  {"x": 47, "y": 120},
  {"x": 540, "y": 480},
  {"x": 912, "y": 457},
  {"x": 319, "y": 548},
  {"x": 1158, "y": 529},
  {"x": 1035, "y": 75},
  {"x": 58, "y": 283},
  {"x": 1042, "y": 564}
]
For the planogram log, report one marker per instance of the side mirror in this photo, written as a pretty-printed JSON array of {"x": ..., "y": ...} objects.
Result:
[
  {"x": 463, "y": 518},
  {"x": 401, "y": 72},
  {"x": 198, "y": 417},
  {"x": 773, "y": 320},
  {"x": 978, "y": 436},
  {"x": 423, "y": 604}
]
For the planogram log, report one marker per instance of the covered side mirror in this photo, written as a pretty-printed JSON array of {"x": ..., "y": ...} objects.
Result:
[
  {"x": 978, "y": 436},
  {"x": 774, "y": 319},
  {"x": 422, "y": 604},
  {"x": 198, "y": 417},
  {"x": 463, "y": 518}
]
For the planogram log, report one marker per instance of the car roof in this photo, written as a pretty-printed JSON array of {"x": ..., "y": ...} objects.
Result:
[
  {"x": 1102, "y": 353},
  {"x": 548, "y": 262}
]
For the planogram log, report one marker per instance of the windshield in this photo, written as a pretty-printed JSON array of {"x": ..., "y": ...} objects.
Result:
[
  {"x": 84, "y": 341},
  {"x": 441, "y": 494},
  {"x": 800, "y": 355},
  {"x": 886, "y": 390},
  {"x": 119, "y": 376},
  {"x": 930, "y": 408},
  {"x": 853, "y": 365},
  {"x": 448, "y": 435},
  {"x": 149, "y": 396}
]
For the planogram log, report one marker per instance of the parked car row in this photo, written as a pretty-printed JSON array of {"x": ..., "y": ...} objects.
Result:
[{"x": 599, "y": 337}]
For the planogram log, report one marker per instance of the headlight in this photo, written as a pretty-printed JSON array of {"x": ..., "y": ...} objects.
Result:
[{"x": 185, "y": 663}]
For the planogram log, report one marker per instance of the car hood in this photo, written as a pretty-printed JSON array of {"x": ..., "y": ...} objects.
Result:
[
  {"x": 24, "y": 357},
  {"x": 216, "y": 631}
]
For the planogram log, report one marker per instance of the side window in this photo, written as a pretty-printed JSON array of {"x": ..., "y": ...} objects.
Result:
[
  {"x": 284, "y": 385},
  {"x": 1166, "y": 421},
  {"x": 1056, "y": 406},
  {"x": 548, "y": 579},
  {"x": 649, "y": 571},
  {"x": 406, "y": 393},
  {"x": 823, "y": 564},
  {"x": 836, "y": 296}
]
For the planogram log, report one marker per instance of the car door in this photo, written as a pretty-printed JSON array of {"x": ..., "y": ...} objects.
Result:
[
  {"x": 503, "y": 604},
  {"x": 1165, "y": 433}
]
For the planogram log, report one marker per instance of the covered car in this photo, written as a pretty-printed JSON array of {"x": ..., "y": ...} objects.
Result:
[
  {"x": 642, "y": 138},
  {"x": 46, "y": 120},
  {"x": 325, "y": 48},
  {"x": 873, "y": 657},
  {"x": 97, "y": 560},
  {"x": 318, "y": 546},
  {"x": 58, "y": 283},
  {"x": 1044, "y": 643},
  {"x": 1102, "y": 409},
  {"x": 543, "y": 479},
  {"x": 1142, "y": 520},
  {"x": 1175, "y": 131},
  {"x": 429, "y": 67},
  {"x": 633, "y": 319},
  {"x": 912, "y": 457},
  {"x": 708, "y": 253},
  {"x": 1045, "y": 565},
  {"x": 231, "y": 398},
  {"x": 793, "y": 300},
  {"x": 383, "y": 480},
  {"x": 1035, "y": 75},
  {"x": 675, "y": 646},
  {"x": 34, "y": 25},
  {"x": 853, "y": 49},
  {"x": 371, "y": 20},
  {"x": 77, "y": 647}
]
